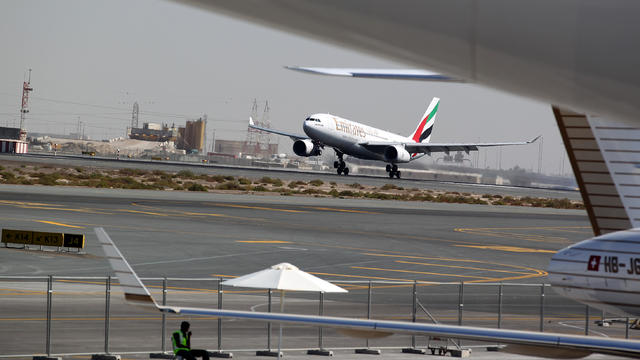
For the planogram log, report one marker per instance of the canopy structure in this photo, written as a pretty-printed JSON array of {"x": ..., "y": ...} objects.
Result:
[{"x": 283, "y": 277}]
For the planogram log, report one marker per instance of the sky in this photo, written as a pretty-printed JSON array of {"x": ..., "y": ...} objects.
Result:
[{"x": 92, "y": 60}]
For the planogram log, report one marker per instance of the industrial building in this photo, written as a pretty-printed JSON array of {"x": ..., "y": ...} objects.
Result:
[
  {"x": 192, "y": 137},
  {"x": 154, "y": 132}
]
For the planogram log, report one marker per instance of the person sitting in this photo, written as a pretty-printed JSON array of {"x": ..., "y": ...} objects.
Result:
[{"x": 181, "y": 340}]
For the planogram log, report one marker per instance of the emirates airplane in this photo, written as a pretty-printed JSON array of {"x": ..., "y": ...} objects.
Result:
[{"x": 351, "y": 138}]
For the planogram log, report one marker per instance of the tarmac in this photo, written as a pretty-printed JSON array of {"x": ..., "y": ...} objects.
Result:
[{"x": 209, "y": 236}]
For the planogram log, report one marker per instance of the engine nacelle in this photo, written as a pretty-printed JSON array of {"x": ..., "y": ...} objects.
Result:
[
  {"x": 397, "y": 154},
  {"x": 305, "y": 148}
]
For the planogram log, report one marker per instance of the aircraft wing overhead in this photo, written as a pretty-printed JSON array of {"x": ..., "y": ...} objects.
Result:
[
  {"x": 546, "y": 344},
  {"x": 434, "y": 147},
  {"x": 293, "y": 137},
  {"x": 400, "y": 74}
]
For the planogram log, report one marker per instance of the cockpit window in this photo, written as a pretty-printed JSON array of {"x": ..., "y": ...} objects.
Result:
[{"x": 312, "y": 119}]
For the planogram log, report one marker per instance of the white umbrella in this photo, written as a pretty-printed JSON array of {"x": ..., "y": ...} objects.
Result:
[{"x": 283, "y": 277}]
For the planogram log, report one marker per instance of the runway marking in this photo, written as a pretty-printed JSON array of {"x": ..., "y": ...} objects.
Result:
[
  {"x": 345, "y": 210},
  {"x": 264, "y": 241},
  {"x": 508, "y": 248},
  {"x": 9, "y": 202},
  {"x": 88, "y": 211},
  {"x": 187, "y": 213},
  {"x": 141, "y": 212},
  {"x": 421, "y": 272},
  {"x": 501, "y": 233},
  {"x": 259, "y": 208},
  {"x": 461, "y": 267},
  {"x": 533, "y": 272},
  {"x": 59, "y": 224}
]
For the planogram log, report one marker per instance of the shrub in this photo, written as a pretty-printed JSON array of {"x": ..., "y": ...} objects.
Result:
[
  {"x": 356, "y": 186},
  {"x": 272, "y": 181},
  {"x": 316, "y": 182},
  {"x": 188, "y": 174},
  {"x": 259, "y": 188},
  {"x": 230, "y": 185},
  {"x": 196, "y": 187},
  {"x": 132, "y": 172},
  {"x": 244, "y": 181}
]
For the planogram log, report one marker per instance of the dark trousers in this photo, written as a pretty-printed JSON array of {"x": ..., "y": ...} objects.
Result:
[{"x": 191, "y": 354}]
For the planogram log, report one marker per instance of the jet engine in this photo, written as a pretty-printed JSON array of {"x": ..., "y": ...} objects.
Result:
[
  {"x": 396, "y": 154},
  {"x": 305, "y": 147}
]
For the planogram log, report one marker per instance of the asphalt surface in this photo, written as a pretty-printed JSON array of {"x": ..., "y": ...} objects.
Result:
[
  {"x": 208, "y": 236},
  {"x": 289, "y": 174}
]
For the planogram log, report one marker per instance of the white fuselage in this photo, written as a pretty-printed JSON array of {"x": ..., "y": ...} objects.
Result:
[
  {"x": 345, "y": 135},
  {"x": 603, "y": 272}
]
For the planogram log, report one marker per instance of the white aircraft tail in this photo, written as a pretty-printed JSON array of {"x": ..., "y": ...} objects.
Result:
[{"x": 422, "y": 134}]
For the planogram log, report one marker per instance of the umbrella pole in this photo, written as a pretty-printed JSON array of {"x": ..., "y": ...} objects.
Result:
[{"x": 281, "y": 311}]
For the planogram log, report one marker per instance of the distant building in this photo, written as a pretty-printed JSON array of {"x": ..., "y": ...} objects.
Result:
[
  {"x": 192, "y": 137},
  {"x": 235, "y": 147},
  {"x": 154, "y": 132}
]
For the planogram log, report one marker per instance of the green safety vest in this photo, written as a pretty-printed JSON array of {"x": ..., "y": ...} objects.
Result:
[{"x": 182, "y": 345}]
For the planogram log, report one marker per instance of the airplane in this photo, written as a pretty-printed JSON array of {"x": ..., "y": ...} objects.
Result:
[
  {"x": 348, "y": 137},
  {"x": 518, "y": 342}
]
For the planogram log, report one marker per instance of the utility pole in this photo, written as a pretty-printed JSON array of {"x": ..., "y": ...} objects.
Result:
[
  {"x": 24, "y": 109},
  {"x": 540, "y": 147}
]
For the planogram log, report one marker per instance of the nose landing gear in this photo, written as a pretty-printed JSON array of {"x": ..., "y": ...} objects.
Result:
[{"x": 392, "y": 169}]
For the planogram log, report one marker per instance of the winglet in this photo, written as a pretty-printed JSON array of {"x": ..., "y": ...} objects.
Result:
[
  {"x": 534, "y": 140},
  {"x": 134, "y": 291},
  {"x": 251, "y": 123}
]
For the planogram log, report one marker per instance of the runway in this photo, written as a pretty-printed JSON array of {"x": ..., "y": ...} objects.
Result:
[
  {"x": 207, "y": 236},
  {"x": 289, "y": 174}
]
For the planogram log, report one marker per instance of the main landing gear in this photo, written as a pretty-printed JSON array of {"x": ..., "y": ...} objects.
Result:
[
  {"x": 341, "y": 166},
  {"x": 392, "y": 169}
]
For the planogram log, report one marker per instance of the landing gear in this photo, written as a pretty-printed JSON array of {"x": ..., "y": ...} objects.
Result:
[
  {"x": 340, "y": 165},
  {"x": 393, "y": 171}
]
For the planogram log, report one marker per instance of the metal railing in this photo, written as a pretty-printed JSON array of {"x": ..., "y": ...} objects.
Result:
[{"x": 440, "y": 296}]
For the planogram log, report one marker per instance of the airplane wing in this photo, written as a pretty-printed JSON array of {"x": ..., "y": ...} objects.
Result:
[
  {"x": 428, "y": 148},
  {"x": 293, "y": 137},
  {"x": 542, "y": 344},
  {"x": 398, "y": 74}
]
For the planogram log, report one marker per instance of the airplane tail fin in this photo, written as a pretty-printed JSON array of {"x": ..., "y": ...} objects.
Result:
[
  {"x": 134, "y": 291},
  {"x": 422, "y": 134}
]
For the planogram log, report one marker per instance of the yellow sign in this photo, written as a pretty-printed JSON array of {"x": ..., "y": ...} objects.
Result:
[
  {"x": 31, "y": 237},
  {"x": 74, "y": 240},
  {"x": 47, "y": 238},
  {"x": 17, "y": 236}
]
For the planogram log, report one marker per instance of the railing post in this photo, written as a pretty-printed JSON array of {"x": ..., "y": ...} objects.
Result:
[
  {"x": 270, "y": 292},
  {"x": 49, "y": 311},
  {"x": 219, "y": 319},
  {"x": 541, "y": 307},
  {"x": 414, "y": 309},
  {"x": 164, "y": 315},
  {"x": 460, "y": 306},
  {"x": 320, "y": 313},
  {"x": 460, "y": 301},
  {"x": 626, "y": 329},
  {"x": 500, "y": 306},
  {"x": 368, "y": 307},
  {"x": 586, "y": 320},
  {"x": 107, "y": 313}
]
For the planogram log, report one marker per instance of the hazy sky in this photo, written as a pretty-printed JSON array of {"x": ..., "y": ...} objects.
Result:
[{"x": 92, "y": 59}]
